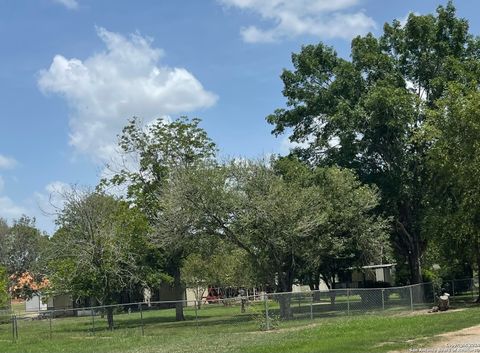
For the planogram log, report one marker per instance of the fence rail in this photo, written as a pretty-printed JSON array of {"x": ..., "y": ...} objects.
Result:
[{"x": 264, "y": 311}]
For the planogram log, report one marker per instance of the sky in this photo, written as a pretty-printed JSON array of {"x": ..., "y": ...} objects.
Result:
[{"x": 72, "y": 72}]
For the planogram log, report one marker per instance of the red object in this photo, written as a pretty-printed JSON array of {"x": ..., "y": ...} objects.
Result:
[{"x": 213, "y": 296}]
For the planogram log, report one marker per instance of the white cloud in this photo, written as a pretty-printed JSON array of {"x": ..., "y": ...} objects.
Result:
[
  {"x": 41, "y": 205},
  {"x": 46, "y": 204},
  {"x": 9, "y": 210},
  {"x": 7, "y": 162},
  {"x": 109, "y": 87},
  {"x": 286, "y": 145},
  {"x": 321, "y": 18},
  {"x": 58, "y": 187},
  {"x": 404, "y": 19},
  {"x": 51, "y": 199},
  {"x": 69, "y": 4}
]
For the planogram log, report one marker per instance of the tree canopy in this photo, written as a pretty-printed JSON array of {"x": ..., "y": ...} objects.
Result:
[
  {"x": 96, "y": 253},
  {"x": 367, "y": 113}
]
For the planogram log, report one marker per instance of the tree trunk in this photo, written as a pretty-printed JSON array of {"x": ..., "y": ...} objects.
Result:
[
  {"x": 285, "y": 308},
  {"x": 284, "y": 298},
  {"x": 332, "y": 292},
  {"x": 415, "y": 269},
  {"x": 316, "y": 287},
  {"x": 179, "y": 292},
  {"x": 110, "y": 317},
  {"x": 408, "y": 242}
]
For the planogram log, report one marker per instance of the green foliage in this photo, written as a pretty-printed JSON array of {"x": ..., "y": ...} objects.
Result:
[
  {"x": 223, "y": 266},
  {"x": 22, "y": 247},
  {"x": 4, "y": 297},
  {"x": 368, "y": 113},
  {"x": 454, "y": 216},
  {"x": 151, "y": 156},
  {"x": 98, "y": 248},
  {"x": 150, "y": 153},
  {"x": 286, "y": 218}
]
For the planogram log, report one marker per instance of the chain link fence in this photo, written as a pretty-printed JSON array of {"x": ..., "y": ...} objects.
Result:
[{"x": 265, "y": 311}]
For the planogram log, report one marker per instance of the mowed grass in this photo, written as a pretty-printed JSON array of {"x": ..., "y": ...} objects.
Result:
[{"x": 225, "y": 329}]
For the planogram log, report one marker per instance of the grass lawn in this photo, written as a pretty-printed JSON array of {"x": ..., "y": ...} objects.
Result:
[{"x": 224, "y": 329}]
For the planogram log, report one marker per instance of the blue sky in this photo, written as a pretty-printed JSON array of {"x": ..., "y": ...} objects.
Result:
[{"x": 73, "y": 71}]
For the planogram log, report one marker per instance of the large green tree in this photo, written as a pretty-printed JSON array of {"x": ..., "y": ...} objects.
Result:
[
  {"x": 281, "y": 222},
  {"x": 21, "y": 247},
  {"x": 151, "y": 157},
  {"x": 366, "y": 112},
  {"x": 97, "y": 251},
  {"x": 345, "y": 231},
  {"x": 454, "y": 193}
]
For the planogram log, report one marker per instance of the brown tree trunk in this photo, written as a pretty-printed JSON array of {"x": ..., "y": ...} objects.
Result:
[
  {"x": 332, "y": 292},
  {"x": 110, "y": 317},
  {"x": 284, "y": 298},
  {"x": 409, "y": 244},
  {"x": 414, "y": 267},
  {"x": 285, "y": 308},
  {"x": 316, "y": 287},
  {"x": 179, "y": 291}
]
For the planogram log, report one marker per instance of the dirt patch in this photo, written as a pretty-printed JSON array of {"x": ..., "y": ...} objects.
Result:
[
  {"x": 423, "y": 312},
  {"x": 464, "y": 341}
]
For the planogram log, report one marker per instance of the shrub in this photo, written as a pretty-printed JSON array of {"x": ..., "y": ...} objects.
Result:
[{"x": 4, "y": 297}]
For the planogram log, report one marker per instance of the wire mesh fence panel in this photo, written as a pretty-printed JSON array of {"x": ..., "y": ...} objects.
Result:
[
  {"x": 325, "y": 304},
  {"x": 5, "y": 326},
  {"x": 340, "y": 301},
  {"x": 397, "y": 298},
  {"x": 422, "y": 296},
  {"x": 309, "y": 305},
  {"x": 302, "y": 305},
  {"x": 32, "y": 326},
  {"x": 363, "y": 300},
  {"x": 146, "y": 319},
  {"x": 63, "y": 323},
  {"x": 242, "y": 313},
  {"x": 461, "y": 290}
]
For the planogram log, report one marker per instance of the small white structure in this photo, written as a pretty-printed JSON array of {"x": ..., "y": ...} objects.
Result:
[
  {"x": 40, "y": 303},
  {"x": 35, "y": 304}
]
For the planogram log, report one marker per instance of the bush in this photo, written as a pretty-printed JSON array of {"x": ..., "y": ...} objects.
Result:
[{"x": 4, "y": 297}]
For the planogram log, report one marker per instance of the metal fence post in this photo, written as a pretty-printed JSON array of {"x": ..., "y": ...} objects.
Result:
[
  {"x": 411, "y": 298},
  {"x": 13, "y": 328},
  {"x": 93, "y": 321},
  {"x": 141, "y": 320},
  {"x": 348, "y": 301},
  {"x": 196, "y": 312},
  {"x": 383, "y": 299},
  {"x": 311, "y": 306},
  {"x": 267, "y": 320},
  {"x": 453, "y": 288},
  {"x": 50, "y": 323},
  {"x": 16, "y": 327}
]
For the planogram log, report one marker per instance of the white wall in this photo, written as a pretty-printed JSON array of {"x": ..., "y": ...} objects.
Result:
[{"x": 35, "y": 304}]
